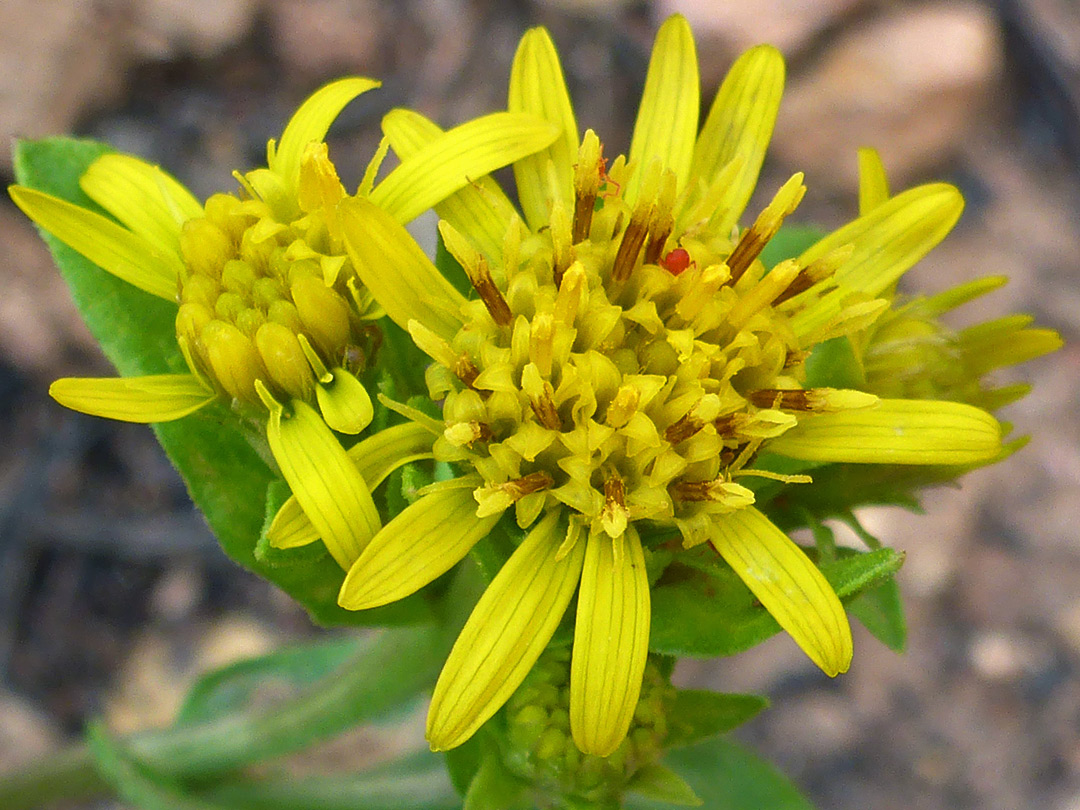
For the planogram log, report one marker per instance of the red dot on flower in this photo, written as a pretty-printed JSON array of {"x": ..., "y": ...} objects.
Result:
[{"x": 676, "y": 261}]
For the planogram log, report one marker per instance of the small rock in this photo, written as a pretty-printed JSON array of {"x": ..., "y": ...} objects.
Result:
[
  {"x": 724, "y": 30},
  {"x": 25, "y": 734},
  {"x": 58, "y": 61},
  {"x": 910, "y": 83},
  {"x": 165, "y": 29}
]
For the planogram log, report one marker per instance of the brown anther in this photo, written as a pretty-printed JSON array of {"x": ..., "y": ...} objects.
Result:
[
  {"x": 544, "y": 408},
  {"x": 526, "y": 485},
  {"x": 615, "y": 492},
  {"x": 794, "y": 399},
  {"x": 726, "y": 426},
  {"x": 493, "y": 299},
  {"x": 584, "y": 204},
  {"x": 750, "y": 245},
  {"x": 807, "y": 278},
  {"x": 692, "y": 490},
  {"x": 683, "y": 429},
  {"x": 465, "y": 370},
  {"x": 629, "y": 248},
  {"x": 657, "y": 240}
]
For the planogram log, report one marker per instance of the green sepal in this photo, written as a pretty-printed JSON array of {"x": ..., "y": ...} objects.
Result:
[
  {"x": 728, "y": 777},
  {"x": 834, "y": 364},
  {"x": 698, "y": 714},
  {"x": 664, "y": 785},
  {"x": 494, "y": 787},
  {"x": 881, "y": 611},
  {"x": 702, "y": 608}
]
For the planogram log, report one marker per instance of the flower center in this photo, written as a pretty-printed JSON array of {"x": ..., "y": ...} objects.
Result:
[{"x": 627, "y": 361}]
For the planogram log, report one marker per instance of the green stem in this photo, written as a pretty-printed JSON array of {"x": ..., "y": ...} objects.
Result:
[{"x": 397, "y": 664}]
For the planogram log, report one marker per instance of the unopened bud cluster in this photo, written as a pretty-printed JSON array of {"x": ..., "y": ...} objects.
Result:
[
  {"x": 268, "y": 295},
  {"x": 539, "y": 749}
]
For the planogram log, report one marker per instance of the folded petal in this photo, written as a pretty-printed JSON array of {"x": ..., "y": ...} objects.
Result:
[
  {"x": 344, "y": 402},
  {"x": 537, "y": 86},
  {"x": 873, "y": 183},
  {"x": 454, "y": 158},
  {"x": 739, "y": 125},
  {"x": 423, "y": 542},
  {"x": 611, "y": 642},
  {"x": 375, "y": 458},
  {"x": 507, "y": 631},
  {"x": 324, "y": 480},
  {"x": 667, "y": 119},
  {"x": 111, "y": 247},
  {"x": 480, "y": 209},
  {"x": 396, "y": 271},
  {"x": 887, "y": 242},
  {"x": 142, "y": 196},
  {"x": 310, "y": 123},
  {"x": 156, "y": 398},
  {"x": 895, "y": 431},
  {"x": 790, "y": 587}
]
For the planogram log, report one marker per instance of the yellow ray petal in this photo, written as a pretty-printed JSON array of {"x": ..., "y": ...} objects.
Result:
[
  {"x": 111, "y": 247},
  {"x": 887, "y": 242},
  {"x": 667, "y": 119},
  {"x": 790, "y": 587},
  {"x": 480, "y": 209},
  {"x": 895, "y": 431},
  {"x": 396, "y": 271},
  {"x": 375, "y": 458},
  {"x": 507, "y": 631},
  {"x": 143, "y": 197},
  {"x": 873, "y": 183},
  {"x": 537, "y": 86},
  {"x": 449, "y": 162},
  {"x": 324, "y": 480},
  {"x": 420, "y": 544},
  {"x": 739, "y": 125},
  {"x": 156, "y": 398},
  {"x": 1004, "y": 342},
  {"x": 344, "y": 402},
  {"x": 611, "y": 642},
  {"x": 310, "y": 123}
]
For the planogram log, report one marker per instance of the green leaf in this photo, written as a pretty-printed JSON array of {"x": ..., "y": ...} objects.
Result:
[
  {"x": 417, "y": 782},
  {"x": 664, "y": 785},
  {"x": 708, "y": 611},
  {"x": 232, "y": 688},
  {"x": 729, "y": 777},
  {"x": 134, "y": 782},
  {"x": 225, "y": 476},
  {"x": 881, "y": 611},
  {"x": 698, "y": 714},
  {"x": 789, "y": 242}
]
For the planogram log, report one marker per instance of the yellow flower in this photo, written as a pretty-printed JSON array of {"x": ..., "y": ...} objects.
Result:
[
  {"x": 624, "y": 360},
  {"x": 271, "y": 317},
  {"x": 909, "y": 352}
]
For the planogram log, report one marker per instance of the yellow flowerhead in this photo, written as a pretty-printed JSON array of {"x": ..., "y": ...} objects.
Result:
[
  {"x": 624, "y": 361},
  {"x": 271, "y": 317}
]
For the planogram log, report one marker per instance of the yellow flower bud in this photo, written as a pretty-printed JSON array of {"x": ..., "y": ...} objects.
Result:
[
  {"x": 324, "y": 313},
  {"x": 234, "y": 360},
  {"x": 284, "y": 360},
  {"x": 205, "y": 247}
]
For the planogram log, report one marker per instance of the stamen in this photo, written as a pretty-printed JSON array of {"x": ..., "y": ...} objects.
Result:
[
  {"x": 816, "y": 272},
  {"x": 464, "y": 434},
  {"x": 442, "y": 352},
  {"x": 587, "y": 177},
  {"x": 476, "y": 268},
  {"x": 818, "y": 400},
  {"x": 541, "y": 396},
  {"x": 571, "y": 291},
  {"x": 663, "y": 221},
  {"x": 614, "y": 517},
  {"x": 755, "y": 237}
]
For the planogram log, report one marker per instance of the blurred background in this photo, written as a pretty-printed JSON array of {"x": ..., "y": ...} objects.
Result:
[{"x": 113, "y": 594}]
